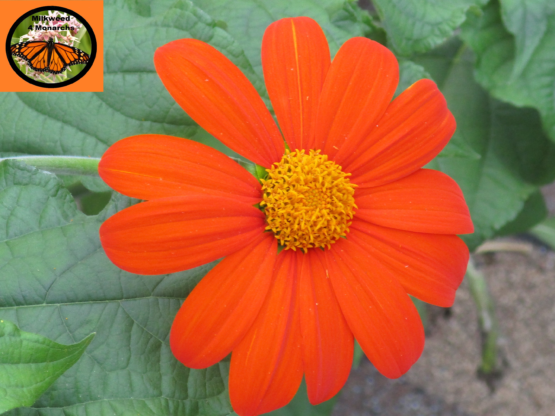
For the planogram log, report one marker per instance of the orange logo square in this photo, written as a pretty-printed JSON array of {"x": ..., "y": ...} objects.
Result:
[{"x": 52, "y": 46}]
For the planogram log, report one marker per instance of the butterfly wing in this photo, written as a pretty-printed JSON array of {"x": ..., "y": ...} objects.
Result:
[
  {"x": 35, "y": 53},
  {"x": 64, "y": 56},
  {"x": 55, "y": 59}
]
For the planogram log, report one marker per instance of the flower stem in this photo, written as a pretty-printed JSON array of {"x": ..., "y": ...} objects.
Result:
[
  {"x": 61, "y": 165},
  {"x": 490, "y": 368}
]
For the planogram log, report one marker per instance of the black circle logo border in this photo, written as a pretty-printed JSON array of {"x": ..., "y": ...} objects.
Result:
[{"x": 59, "y": 84}]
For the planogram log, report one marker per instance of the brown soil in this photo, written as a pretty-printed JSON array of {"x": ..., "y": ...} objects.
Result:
[{"x": 444, "y": 381}]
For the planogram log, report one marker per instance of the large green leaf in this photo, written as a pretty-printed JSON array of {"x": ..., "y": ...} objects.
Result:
[
  {"x": 419, "y": 25},
  {"x": 532, "y": 213},
  {"x": 246, "y": 20},
  {"x": 30, "y": 363},
  {"x": 57, "y": 282},
  {"x": 494, "y": 184},
  {"x": 527, "y": 20},
  {"x": 134, "y": 100},
  {"x": 521, "y": 69}
]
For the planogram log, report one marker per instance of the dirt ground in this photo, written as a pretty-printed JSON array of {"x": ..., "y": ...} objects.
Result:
[{"x": 444, "y": 381}]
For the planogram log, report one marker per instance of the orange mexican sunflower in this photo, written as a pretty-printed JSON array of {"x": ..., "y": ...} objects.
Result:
[{"x": 360, "y": 224}]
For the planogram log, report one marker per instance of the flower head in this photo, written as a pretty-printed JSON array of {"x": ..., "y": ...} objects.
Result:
[
  {"x": 308, "y": 201},
  {"x": 360, "y": 223}
]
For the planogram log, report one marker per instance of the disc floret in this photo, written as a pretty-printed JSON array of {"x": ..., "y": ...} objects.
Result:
[{"x": 308, "y": 200}]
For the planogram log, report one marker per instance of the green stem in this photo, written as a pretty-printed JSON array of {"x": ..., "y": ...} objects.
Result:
[
  {"x": 489, "y": 328},
  {"x": 460, "y": 53},
  {"x": 61, "y": 165}
]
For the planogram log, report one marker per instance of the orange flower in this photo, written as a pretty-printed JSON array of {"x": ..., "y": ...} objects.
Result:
[{"x": 361, "y": 224}]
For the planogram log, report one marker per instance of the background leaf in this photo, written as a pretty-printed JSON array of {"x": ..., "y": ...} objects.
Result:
[
  {"x": 527, "y": 20},
  {"x": 30, "y": 363},
  {"x": 57, "y": 282},
  {"x": 246, "y": 20},
  {"x": 513, "y": 69},
  {"x": 532, "y": 213},
  {"x": 134, "y": 100},
  {"x": 419, "y": 25},
  {"x": 493, "y": 185}
]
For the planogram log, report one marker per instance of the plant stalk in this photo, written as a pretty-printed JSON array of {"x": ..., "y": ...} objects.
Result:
[
  {"x": 491, "y": 366},
  {"x": 61, "y": 165}
]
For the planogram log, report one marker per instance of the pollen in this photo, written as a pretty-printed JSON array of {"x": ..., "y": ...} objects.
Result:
[{"x": 308, "y": 200}]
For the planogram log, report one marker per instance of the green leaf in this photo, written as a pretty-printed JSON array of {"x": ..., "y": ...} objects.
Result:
[
  {"x": 546, "y": 232},
  {"x": 57, "y": 282},
  {"x": 134, "y": 100},
  {"x": 418, "y": 26},
  {"x": 352, "y": 19},
  {"x": 532, "y": 213},
  {"x": 300, "y": 406},
  {"x": 492, "y": 185},
  {"x": 246, "y": 20},
  {"x": 93, "y": 203},
  {"x": 525, "y": 145},
  {"x": 519, "y": 70},
  {"x": 30, "y": 363},
  {"x": 527, "y": 21}
]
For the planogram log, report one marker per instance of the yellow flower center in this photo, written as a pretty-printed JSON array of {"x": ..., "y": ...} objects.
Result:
[{"x": 308, "y": 200}]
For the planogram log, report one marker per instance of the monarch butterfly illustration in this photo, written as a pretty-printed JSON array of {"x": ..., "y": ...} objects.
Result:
[{"x": 47, "y": 56}]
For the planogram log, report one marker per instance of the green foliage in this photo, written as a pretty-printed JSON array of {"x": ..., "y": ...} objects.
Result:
[
  {"x": 93, "y": 203},
  {"x": 496, "y": 184},
  {"x": 57, "y": 282},
  {"x": 30, "y": 363},
  {"x": 533, "y": 212},
  {"x": 134, "y": 100},
  {"x": 418, "y": 26},
  {"x": 515, "y": 63},
  {"x": 527, "y": 21},
  {"x": 246, "y": 20}
]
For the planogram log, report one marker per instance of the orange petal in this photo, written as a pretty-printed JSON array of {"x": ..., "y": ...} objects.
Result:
[
  {"x": 327, "y": 340},
  {"x": 295, "y": 59},
  {"x": 216, "y": 94},
  {"x": 173, "y": 234},
  {"x": 413, "y": 130},
  {"x": 430, "y": 267},
  {"x": 357, "y": 90},
  {"x": 427, "y": 201},
  {"x": 377, "y": 309},
  {"x": 222, "y": 307},
  {"x": 153, "y": 166},
  {"x": 266, "y": 367}
]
